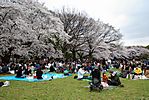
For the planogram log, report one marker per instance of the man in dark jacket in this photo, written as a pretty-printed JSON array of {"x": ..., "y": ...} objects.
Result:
[
  {"x": 19, "y": 72},
  {"x": 114, "y": 79},
  {"x": 39, "y": 74},
  {"x": 96, "y": 76}
]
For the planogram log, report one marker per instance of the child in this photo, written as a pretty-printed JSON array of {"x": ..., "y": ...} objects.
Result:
[
  {"x": 104, "y": 77},
  {"x": 104, "y": 80}
]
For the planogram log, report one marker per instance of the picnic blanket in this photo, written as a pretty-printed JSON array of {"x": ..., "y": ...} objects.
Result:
[
  {"x": 47, "y": 76},
  {"x": 142, "y": 77}
]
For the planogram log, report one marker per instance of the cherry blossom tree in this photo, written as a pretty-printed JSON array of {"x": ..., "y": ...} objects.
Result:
[
  {"x": 88, "y": 36},
  {"x": 27, "y": 29},
  {"x": 76, "y": 25}
]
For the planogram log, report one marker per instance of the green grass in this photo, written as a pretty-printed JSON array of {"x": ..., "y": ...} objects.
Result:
[{"x": 72, "y": 89}]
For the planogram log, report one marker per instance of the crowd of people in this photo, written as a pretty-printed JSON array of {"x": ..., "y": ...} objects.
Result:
[
  {"x": 100, "y": 75},
  {"x": 126, "y": 69},
  {"x": 134, "y": 70},
  {"x": 101, "y": 70}
]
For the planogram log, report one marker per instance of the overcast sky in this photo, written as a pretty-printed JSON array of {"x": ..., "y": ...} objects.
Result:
[{"x": 130, "y": 16}]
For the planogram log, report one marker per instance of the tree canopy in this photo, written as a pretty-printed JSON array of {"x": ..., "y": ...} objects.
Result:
[{"x": 29, "y": 30}]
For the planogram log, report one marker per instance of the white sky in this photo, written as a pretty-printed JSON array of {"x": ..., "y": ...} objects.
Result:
[{"x": 130, "y": 16}]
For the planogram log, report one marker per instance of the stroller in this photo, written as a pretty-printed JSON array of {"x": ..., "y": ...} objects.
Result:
[{"x": 96, "y": 80}]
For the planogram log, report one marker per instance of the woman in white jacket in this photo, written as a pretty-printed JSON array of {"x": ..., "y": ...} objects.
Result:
[{"x": 81, "y": 73}]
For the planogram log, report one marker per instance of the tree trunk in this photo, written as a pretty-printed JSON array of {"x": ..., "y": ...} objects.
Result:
[
  {"x": 90, "y": 56},
  {"x": 80, "y": 56},
  {"x": 7, "y": 55},
  {"x": 74, "y": 55},
  {"x": 6, "y": 58}
]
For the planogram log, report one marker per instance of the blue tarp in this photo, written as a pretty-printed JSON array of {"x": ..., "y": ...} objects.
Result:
[{"x": 46, "y": 76}]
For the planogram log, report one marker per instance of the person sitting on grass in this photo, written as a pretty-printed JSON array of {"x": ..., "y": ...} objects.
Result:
[
  {"x": 114, "y": 79},
  {"x": 104, "y": 77},
  {"x": 66, "y": 72},
  {"x": 28, "y": 71},
  {"x": 19, "y": 72},
  {"x": 52, "y": 69},
  {"x": 137, "y": 72},
  {"x": 146, "y": 73},
  {"x": 39, "y": 73},
  {"x": 104, "y": 80},
  {"x": 81, "y": 73}
]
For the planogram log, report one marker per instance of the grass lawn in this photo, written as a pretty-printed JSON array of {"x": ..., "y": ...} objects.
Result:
[{"x": 72, "y": 89}]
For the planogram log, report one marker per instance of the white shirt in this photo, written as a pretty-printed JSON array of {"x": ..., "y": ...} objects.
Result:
[
  {"x": 60, "y": 64},
  {"x": 81, "y": 72}
]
